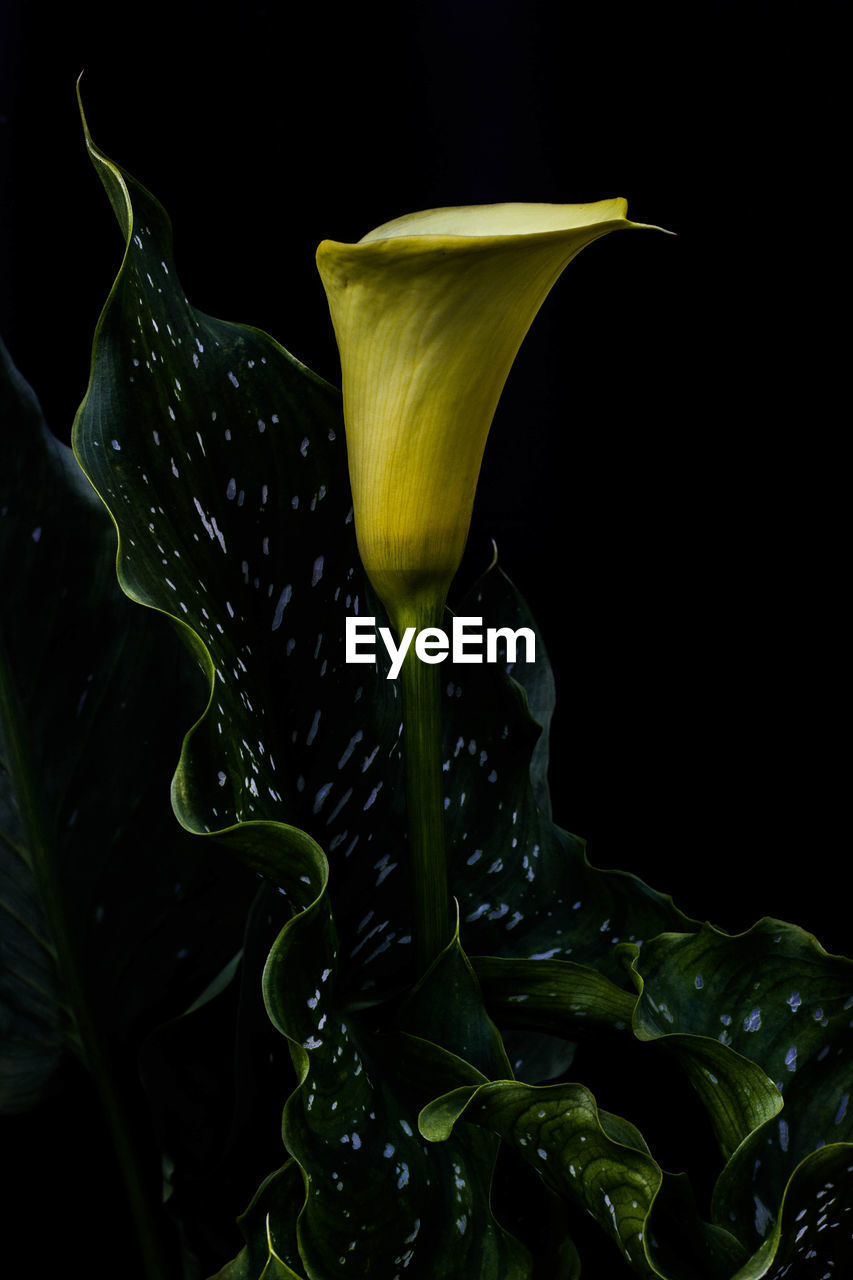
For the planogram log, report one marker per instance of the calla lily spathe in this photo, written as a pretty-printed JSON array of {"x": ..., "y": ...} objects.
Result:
[{"x": 429, "y": 311}]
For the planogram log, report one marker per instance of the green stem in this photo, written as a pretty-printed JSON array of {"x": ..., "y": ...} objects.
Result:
[{"x": 421, "y": 686}]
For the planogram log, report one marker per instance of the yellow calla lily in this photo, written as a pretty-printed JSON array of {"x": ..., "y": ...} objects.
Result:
[{"x": 429, "y": 311}]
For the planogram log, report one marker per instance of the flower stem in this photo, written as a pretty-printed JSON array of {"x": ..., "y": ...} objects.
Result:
[{"x": 421, "y": 689}]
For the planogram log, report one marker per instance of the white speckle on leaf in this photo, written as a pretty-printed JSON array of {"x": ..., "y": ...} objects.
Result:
[
  {"x": 219, "y": 535},
  {"x": 283, "y": 601},
  {"x": 372, "y": 797}
]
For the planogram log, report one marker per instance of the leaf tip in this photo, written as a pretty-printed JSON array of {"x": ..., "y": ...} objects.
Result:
[{"x": 81, "y": 109}]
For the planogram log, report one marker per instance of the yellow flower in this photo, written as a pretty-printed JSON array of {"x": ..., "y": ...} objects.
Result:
[{"x": 429, "y": 311}]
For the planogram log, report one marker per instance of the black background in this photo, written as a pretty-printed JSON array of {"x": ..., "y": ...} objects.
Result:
[{"x": 665, "y": 476}]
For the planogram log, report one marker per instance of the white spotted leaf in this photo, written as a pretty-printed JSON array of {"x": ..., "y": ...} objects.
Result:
[
  {"x": 222, "y": 462},
  {"x": 763, "y": 1023},
  {"x": 599, "y": 1163}
]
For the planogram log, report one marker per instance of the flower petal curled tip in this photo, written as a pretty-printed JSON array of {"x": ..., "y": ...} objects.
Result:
[{"x": 429, "y": 312}]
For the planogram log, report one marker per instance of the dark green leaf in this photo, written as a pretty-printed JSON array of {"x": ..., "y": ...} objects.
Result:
[
  {"x": 502, "y": 606},
  {"x": 36, "y": 1022},
  {"x": 552, "y": 995},
  {"x": 217, "y": 1078},
  {"x": 222, "y": 461},
  {"x": 759, "y": 1020},
  {"x": 269, "y": 1225},
  {"x": 812, "y": 1238},
  {"x": 376, "y": 1190},
  {"x": 597, "y": 1161},
  {"x": 457, "y": 1021},
  {"x": 101, "y": 893},
  {"x": 525, "y": 887}
]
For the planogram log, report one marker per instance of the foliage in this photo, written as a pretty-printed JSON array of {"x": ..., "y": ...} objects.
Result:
[{"x": 431, "y": 1127}]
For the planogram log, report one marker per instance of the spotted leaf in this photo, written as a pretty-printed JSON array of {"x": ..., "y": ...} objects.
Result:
[
  {"x": 762, "y": 1023},
  {"x": 222, "y": 461},
  {"x": 377, "y": 1195},
  {"x": 525, "y": 886},
  {"x": 812, "y": 1238},
  {"x": 598, "y": 1162}
]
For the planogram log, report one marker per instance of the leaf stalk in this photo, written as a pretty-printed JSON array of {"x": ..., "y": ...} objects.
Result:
[{"x": 421, "y": 690}]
